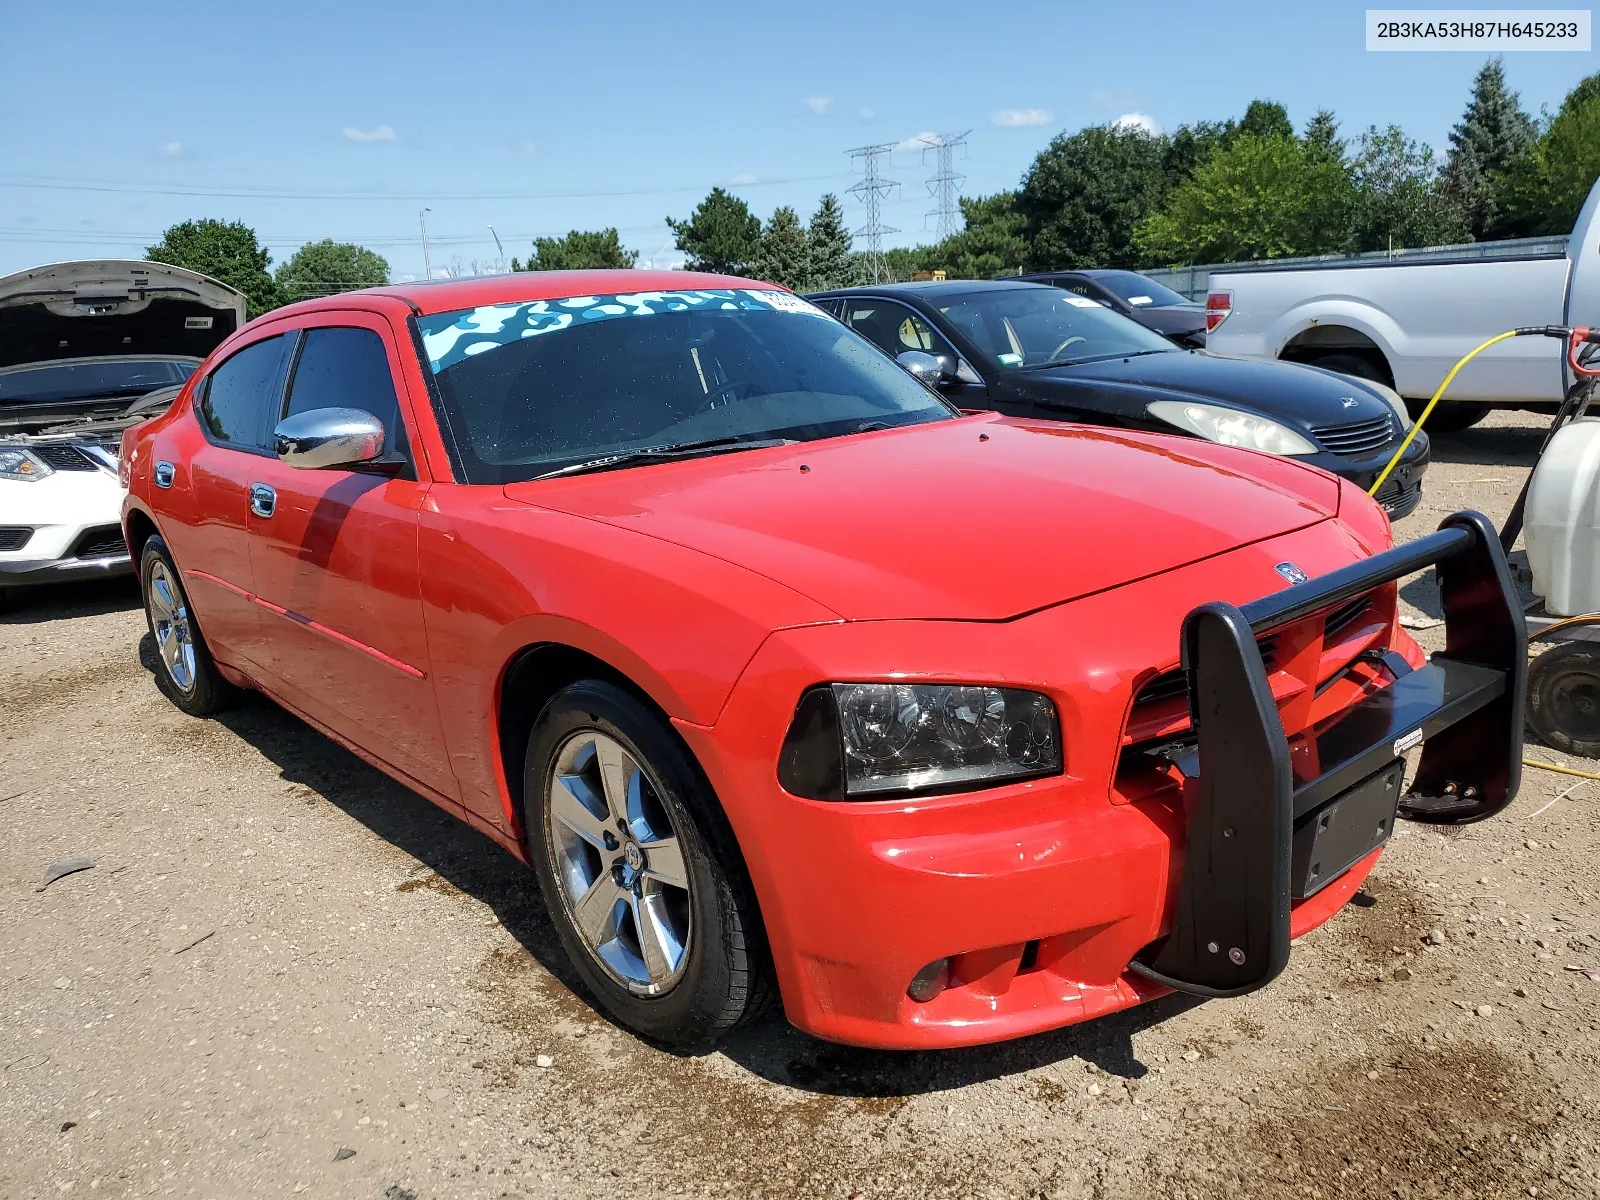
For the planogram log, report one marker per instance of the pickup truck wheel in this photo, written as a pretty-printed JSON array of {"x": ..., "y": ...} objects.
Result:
[
  {"x": 638, "y": 869},
  {"x": 186, "y": 673},
  {"x": 1564, "y": 698},
  {"x": 1448, "y": 416}
]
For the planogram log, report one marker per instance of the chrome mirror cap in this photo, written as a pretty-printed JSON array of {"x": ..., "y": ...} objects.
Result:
[
  {"x": 328, "y": 437},
  {"x": 921, "y": 365}
]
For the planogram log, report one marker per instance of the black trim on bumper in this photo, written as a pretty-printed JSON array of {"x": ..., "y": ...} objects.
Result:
[{"x": 1230, "y": 931}]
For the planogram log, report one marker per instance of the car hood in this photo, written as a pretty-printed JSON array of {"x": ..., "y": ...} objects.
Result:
[
  {"x": 113, "y": 307},
  {"x": 1299, "y": 396},
  {"x": 982, "y": 518}
]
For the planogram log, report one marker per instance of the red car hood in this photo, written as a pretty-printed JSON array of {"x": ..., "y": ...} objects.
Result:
[{"x": 978, "y": 519}]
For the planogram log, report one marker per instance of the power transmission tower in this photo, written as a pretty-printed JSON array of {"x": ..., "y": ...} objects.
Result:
[
  {"x": 871, "y": 191},
  {"x": 944, "y": 185}
]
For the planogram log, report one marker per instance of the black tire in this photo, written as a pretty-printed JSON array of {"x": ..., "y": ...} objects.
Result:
[
  {"x": 205, "y": 691},
  {"x": 1448, "y": 416},
  {"x": 1352, "y": 364},
  {"x": 1564, "y": 698},
  {"x": 724, "y": 973}
]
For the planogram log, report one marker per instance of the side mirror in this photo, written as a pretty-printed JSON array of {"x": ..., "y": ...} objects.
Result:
[
  {"x": 931, "y": 369},
  {"x": 328, "y": 437}
]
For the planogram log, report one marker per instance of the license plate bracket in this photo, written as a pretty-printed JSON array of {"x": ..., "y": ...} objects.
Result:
[{"x": 1340, "y": 833}]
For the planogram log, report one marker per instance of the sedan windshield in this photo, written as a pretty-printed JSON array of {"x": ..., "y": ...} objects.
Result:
[
  {"x": 1031, "y": 326},
  {"x": 91, "y": 380},
  {"x": 1138, "y": 290},
  {"x": 532, "y": 388}
]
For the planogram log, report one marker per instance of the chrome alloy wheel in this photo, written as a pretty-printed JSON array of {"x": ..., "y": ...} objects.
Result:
[
  {"x": 617, "y": 860},
  {"x": 169, "y": 619}
]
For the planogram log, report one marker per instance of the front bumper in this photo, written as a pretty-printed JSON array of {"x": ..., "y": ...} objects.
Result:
[
  {"x": 1052, "y": 899},
  {"x": 1402, "y": 491},
  {"x": 71, "y": 525}
]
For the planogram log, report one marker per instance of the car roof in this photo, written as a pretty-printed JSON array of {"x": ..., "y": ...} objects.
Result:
[
  {"x": 932, "y": 288},
  {"x": 521, "y": 287}
]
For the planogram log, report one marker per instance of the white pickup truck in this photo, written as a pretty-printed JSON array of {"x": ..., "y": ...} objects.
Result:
[{"x": 1407, "y": 323}]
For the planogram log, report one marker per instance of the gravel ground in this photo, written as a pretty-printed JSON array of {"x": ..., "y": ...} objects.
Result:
[{"x": 287, "y": 975}]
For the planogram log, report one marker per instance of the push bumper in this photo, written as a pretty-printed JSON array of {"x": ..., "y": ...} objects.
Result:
[{"x": 1257, "y": 838}]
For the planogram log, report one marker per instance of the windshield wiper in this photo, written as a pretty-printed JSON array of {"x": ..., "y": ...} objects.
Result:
[
  {"x": 662, "y": 453},
  {"x": 1078, "y": 362}
]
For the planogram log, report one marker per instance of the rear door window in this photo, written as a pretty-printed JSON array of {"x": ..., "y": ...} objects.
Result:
[
  {"x": 242, "y": 395},
  {"x": 344, "y": 366}
]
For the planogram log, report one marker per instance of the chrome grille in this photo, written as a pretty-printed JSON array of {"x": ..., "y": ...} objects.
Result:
[{"x": 1357, "y": 437}]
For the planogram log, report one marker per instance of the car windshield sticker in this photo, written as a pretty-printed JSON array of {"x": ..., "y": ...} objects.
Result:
[
  {"x": 1082, "y": 302},
  {"x": 1138, "y": 299},
  {"x": 1009, "y": 360},
  {"x": 452, "y": 337}
]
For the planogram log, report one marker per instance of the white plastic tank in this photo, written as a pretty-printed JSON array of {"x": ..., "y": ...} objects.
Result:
[{"x": 1561, "y": 524}]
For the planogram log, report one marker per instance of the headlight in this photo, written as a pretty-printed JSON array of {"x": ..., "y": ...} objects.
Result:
[
  {"x": 20, "y": 464},
  {"x": 867, "y": 741},
  {"x": 1230, "y": 427}
]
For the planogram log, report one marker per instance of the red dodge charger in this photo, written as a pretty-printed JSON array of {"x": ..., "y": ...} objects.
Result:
[{"x": 780, "y": 672}]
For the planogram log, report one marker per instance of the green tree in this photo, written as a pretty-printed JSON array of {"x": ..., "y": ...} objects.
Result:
[
  {"x": 1398, "y": 200},
  {"x": 1542, "y": 193},
  {"x": 1085, "y": 192},
  {"x": 1257, "y": 197},
  {"x": 784, "y": 255},
  {"x": 225, "y": 250},
  {"x": 580, "y": 250},
  {"x": 828, "y": 241},
  {"x": 720, "y": 236},
  {"x": 1266, "y": 118},
  {"x": 1493, "y": 136},
  {"x": 992, "y": 244},
  {"x": 325, "y": 267},
  {"x": 1322, "y": 137}
]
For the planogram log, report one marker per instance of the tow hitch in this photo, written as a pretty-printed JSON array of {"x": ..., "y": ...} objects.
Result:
[{"x": 1255, "y": 838}]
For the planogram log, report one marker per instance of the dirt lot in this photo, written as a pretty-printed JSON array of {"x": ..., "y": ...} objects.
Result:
[{"x": 286, "y": 975}]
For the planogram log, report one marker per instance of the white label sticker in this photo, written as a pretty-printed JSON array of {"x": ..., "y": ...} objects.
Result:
[
  {"x": 197, "y": 322},
  {"x": 788, "y": 302},
  {"x": 1406, "y": 741},
  {"x": 1082, "y": 302}
]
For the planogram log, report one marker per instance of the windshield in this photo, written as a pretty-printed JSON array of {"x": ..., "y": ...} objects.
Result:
[
  {"x": 530, "y": 388},
  {"x": 1138, "y": 290},
  {"x": 91, "y": 380},
  {"x": 1029, "y": 326}
]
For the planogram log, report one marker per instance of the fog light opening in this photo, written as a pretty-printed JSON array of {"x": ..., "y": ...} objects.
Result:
[{"x": 930, "y": 981}]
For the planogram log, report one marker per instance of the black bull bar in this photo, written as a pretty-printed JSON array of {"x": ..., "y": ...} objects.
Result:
[{"x": 1254, "y": 836}]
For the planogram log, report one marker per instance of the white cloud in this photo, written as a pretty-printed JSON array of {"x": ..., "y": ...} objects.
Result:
[
  {"x": 1017, "y": 118},
  {"x": 383, "y": 133},
  {"x": 866, "y": 115},
  {"x": 1138, "y": 120},
  {"x": 819, "y": 104},
  {"x": 743, "y": 180},
  {"x": 920, "y": 141},
  {"x": 172, "y": 149}
]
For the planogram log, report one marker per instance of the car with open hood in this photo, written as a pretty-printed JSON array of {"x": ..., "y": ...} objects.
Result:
[
  {"x": 1033, "y": 350},
  {"x": 785, "y": 675},
  {"x": 86, "y": 350}
]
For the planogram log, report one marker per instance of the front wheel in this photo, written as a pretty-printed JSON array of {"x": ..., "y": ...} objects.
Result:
[
  {"x": 639, "y": 870},
  {"x": 186, "y": 673},
  {"x": 1564, "y": 698}
]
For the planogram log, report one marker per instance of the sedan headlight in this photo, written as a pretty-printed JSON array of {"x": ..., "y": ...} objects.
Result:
[
  {"x": 21, "y": 465},
  {"x": 1230, "y": 427},
  {"x": 868, "y": 741}
]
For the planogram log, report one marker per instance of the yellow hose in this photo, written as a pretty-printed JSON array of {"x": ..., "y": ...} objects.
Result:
[
  {"x": 1426, "y": 412},
  {"x": 1544, "y": 766}
]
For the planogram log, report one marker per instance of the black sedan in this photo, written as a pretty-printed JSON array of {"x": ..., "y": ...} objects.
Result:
[
  {"x": 1152, "y": 304},
  {"x": 1031, "y": 350}
]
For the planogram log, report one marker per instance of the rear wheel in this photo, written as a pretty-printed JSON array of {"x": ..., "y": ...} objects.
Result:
[
  {"x": 1564, "y": 698},
  {"x": 186, "y": 673},
  {"x": 638, "y": 869}
]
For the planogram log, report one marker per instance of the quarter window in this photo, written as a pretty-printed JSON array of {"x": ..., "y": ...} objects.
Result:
[
  {"x": 242, "y": 395},
  {"x": 344, "y": 366}
]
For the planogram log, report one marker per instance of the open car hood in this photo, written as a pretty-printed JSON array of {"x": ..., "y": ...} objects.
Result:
[
  {"x": 978, "y": 519},
  {"x": 113, "y": 307}
]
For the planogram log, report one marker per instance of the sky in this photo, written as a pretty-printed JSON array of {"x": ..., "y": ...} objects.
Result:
[{"x": 337, "y": 120}]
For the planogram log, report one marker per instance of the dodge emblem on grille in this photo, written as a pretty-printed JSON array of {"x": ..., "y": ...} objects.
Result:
[{"x": 1291, "y": 572}]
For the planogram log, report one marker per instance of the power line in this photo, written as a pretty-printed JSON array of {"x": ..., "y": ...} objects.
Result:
[
  {"x": 871, "y": 190},
  {"x": 61, "y": 184},
  {"x": 944, "y": 185}
]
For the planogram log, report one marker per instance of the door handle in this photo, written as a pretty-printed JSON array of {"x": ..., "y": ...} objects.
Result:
[
  {"x": 165, "y": 472},
  {"x": 263, "y": 499}
]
